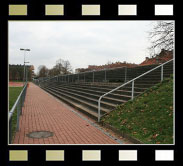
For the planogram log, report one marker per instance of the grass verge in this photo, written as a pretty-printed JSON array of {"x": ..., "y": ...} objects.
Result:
[
  {"x": 13, "y": 95},
  {"x": 149, "y": 117}
]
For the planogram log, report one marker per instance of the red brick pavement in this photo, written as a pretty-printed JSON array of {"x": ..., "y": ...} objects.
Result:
[{"x": 43, "y": 112}]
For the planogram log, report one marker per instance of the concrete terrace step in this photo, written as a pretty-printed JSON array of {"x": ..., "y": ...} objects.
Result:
[
  {"x": 88, "y": 99},
  {"x": 116, "y": 94},
  {"x": 76, "y": 105},
  {"x": 92, "y": 106},
  {"x": 101, "y": 91},
  {"x": 143, "y": 81},
  {"x": 118, "y": 99},
  {"x": 155, "y": 76},
  {"x": 137, "y": 86},
  {"x": 107, "y": 88}
]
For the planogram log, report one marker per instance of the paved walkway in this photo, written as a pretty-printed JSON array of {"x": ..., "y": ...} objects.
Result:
[{"x": 42, "y": 112}]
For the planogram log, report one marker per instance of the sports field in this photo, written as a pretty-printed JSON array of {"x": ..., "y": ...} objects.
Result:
[{"x": 16, "y": 84}]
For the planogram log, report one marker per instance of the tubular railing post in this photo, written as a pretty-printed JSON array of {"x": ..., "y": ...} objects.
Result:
[
  {"x": 132, "y": 90},
  {"x": 99, "y": 109},
  {"x": 161, "y": 73},
  {"x": 84, "y": 77},
  {"x": 78, "y": 77}
]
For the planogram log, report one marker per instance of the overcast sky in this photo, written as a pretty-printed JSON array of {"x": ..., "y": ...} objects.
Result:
[{"x": 83, "y": 43}]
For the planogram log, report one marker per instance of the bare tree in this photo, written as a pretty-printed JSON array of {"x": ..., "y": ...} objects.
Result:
[
  {"x": 162, "y": 36},
  {"x": 67, "y": 67},
  {"x": 63, "y": 66},
  {"x": 108, "y": 62},
  {"x": 42, "y": 71}
]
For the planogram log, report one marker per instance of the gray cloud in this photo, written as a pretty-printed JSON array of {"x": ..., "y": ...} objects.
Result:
[{"x": 81, "y": 42}]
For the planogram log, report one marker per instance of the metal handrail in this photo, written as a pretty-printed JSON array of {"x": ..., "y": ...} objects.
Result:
[
  {"x": 18, "y": 104},
  {"x": 99, "y": 100}
]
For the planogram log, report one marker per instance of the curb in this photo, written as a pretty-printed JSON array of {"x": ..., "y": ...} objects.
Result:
[{"x": 121, "y": 133}]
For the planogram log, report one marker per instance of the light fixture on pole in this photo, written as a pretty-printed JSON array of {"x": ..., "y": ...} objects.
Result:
[{"x": 22, "y": 49}]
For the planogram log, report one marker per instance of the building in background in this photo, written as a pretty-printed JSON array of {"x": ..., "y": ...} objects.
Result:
[
  {"x": 106, "y": 66},
  {"x": 162, "y": 57},
  {"x": 16, "y": 72}
]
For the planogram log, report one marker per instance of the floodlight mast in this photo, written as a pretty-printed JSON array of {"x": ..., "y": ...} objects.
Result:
[
  {"x": 26, "y": 71},
  {"x": 22, "y": 49}
]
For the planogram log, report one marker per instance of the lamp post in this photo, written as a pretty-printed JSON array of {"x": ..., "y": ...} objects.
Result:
[
  {"x": 26, "y": 71},
  {"x": 22, "y": 49}
]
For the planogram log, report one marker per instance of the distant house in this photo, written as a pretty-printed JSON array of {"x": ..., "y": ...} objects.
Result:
[
  {"x": 163, "y": 56},
  {"x": 106, "y": 66}
]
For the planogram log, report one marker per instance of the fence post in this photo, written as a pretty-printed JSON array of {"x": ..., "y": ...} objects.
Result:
[
  {"x": 10, "y": 130},
  {"x": 21, "y": 105},
  {"x": 93, "y": 76},
  {"x": 78, "y": 77},
  {"x": 125, "y": 73},
  {"x": 105, "y": 75},
  {"x": 161, "y": 73},
  {"x": 84, "y": 77},
  {"x": 18, "y": 114},
  {"x": 132, "y": 90},
  {"x": 23, "y": 97}
]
